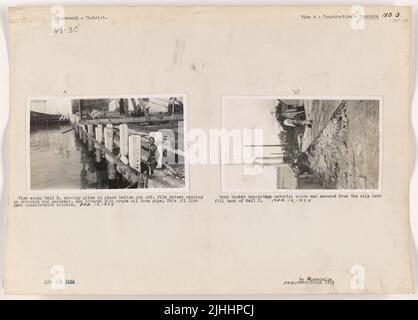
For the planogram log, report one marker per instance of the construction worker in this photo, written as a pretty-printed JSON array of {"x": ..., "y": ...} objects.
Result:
[
  {"x": 152, "y": 161},
  {"x": 153, "y": 155}
]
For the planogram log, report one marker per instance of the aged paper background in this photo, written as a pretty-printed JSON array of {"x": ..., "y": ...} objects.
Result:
[{"x": 208, "y": 248}]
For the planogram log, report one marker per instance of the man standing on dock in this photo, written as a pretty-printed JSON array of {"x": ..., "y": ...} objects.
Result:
[
  {"x": 153, "y": 156},
  {"x": 151, "y": 162}
]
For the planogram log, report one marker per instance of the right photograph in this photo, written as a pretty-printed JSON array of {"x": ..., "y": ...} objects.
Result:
[{"x": 272, "y": 144}]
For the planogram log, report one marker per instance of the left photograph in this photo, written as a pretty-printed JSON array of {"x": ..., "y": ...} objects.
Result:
[{"x": 127, "y": 142}]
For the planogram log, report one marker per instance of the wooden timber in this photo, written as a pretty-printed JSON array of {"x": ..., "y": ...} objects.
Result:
[{"x": 137, "y": 120}]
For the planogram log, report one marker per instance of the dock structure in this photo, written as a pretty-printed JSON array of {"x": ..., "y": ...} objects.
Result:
[{"x": 123, "y": 143}]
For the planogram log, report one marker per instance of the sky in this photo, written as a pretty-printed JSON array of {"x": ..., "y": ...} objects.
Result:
[{"x": 252, "y": 113}]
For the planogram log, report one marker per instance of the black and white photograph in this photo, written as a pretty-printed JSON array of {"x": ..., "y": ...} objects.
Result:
[
  {"x": 184, "y": 151},
  {"x": 133, "y": 142},
  {"x": 305, "y": 144}
]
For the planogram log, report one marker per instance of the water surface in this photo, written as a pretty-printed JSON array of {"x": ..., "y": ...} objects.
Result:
[{"x": 61, "y": 161}]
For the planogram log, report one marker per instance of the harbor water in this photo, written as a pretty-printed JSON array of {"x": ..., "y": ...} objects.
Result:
[{"x": 60, "y": 161}]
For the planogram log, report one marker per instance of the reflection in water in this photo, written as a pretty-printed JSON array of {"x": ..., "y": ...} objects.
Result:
[{"x": 61, "y": 161}]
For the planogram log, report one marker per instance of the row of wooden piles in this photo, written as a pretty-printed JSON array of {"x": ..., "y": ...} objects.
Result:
[{"x": 122, "y": 152}]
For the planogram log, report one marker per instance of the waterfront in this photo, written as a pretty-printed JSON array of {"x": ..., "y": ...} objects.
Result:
[{"x": 61, "y": 161}]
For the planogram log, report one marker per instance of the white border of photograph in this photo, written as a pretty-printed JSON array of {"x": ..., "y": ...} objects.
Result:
[
  {"x": 104, "y": 191},
  {"x": 379, "y": 190}
]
